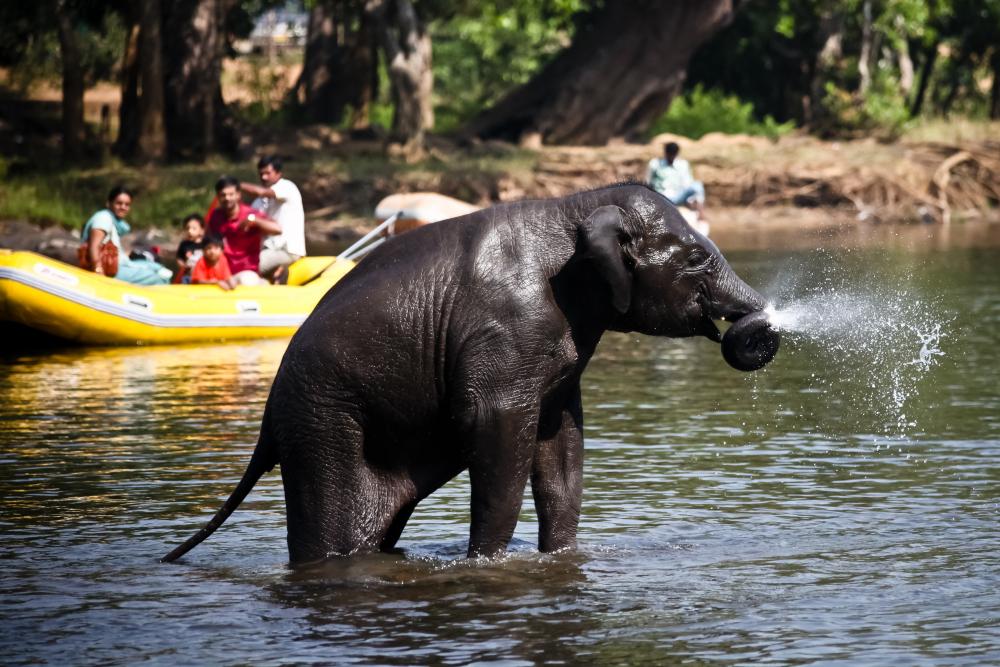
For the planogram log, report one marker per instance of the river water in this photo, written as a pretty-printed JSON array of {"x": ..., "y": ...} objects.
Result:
[{"x": 841, "y": 506}]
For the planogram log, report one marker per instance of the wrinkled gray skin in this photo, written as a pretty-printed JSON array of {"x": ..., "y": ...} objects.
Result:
[{"x": 460, "y": 345}]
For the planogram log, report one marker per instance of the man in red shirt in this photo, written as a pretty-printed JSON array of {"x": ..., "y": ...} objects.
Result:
[{"x": 242, "y": 228}]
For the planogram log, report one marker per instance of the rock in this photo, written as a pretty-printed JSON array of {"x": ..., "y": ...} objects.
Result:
[
  {"x": 531, "y": 140},
  {"x": 62, "y": 244},
  {"x": 52, "y": 241}
]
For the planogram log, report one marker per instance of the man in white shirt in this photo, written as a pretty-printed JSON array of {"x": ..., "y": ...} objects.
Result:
[
  {"x": 671, "y": 177},
  {"x": 281, "y": 201}
]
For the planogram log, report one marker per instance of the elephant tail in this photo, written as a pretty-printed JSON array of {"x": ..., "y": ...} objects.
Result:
[{"x": 263, "y": 460}]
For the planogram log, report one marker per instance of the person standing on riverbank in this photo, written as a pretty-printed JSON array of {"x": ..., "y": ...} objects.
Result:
[
  {"x": 280, "y": 200},
  {"x": 242, "y": 227},
  {"x": 108, "y": 226}
]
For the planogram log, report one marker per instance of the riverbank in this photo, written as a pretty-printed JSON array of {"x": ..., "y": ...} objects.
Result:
[{"x": 795, "y": 186}]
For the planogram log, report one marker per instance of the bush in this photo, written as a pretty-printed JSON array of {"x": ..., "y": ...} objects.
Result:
[
  {"x": 702, "y": 111},
  {"x": 881, "y": 112},
  {"x": 509, "y": 42}
]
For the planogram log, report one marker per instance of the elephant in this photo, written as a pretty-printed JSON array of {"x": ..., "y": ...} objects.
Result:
[{"x": 460, "y": 346}]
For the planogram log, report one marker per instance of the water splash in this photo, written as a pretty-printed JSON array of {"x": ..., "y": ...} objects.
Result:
[
  {"x": 870, "y": 347},
  {"x": 929, "y": 349}
]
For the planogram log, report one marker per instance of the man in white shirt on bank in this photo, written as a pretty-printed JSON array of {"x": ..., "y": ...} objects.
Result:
[
  {"x": 281, "y": 200},
  {"x": 671, "y": 177}
]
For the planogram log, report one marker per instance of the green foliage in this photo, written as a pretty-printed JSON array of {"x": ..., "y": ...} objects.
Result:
[
  {"x": 38, "y": 56},
  {"x": 42, "y": 200},
  {"x": 882, "y": 112},
  {"x": 799, "y": 59},
  {"x": 166, "y": 193},
  {"x": 265, "y": 86},
  {"x": 380, "y": 114},
  {"x": 702, "y": 111},
  {"x": 68, "y": 197},
  {"x": 381, "y": 110},
  {"x": 480, "y": 55},
  {"x": 902, "y": 20}
]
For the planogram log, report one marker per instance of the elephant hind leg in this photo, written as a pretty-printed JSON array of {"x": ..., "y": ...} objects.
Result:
[
  {"x": 418, "y": 483},
  {"x": 395, "y": 530},
  {"x": 333, "y": 501},
  {"x": 354, "y": 516}
]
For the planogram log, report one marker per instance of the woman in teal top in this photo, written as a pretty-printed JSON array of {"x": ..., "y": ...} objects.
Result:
[{"x": 108, "y": 226}]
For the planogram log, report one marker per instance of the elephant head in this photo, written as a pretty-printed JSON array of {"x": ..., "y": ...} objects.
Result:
[{"x": 667, "y": 279}]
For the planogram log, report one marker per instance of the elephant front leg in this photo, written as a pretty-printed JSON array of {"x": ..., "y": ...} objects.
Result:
[
  {"x": 500, "y": 460},
  {"x": 557, "y": 480}
]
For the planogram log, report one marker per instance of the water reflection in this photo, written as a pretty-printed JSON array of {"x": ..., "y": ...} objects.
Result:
[
  {"x": 477, "y": 610},
  {"x": 840, "y": 234},
  {"x": 778, "y": 516}
]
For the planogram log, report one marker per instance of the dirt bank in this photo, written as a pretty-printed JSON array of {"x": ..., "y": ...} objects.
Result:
[
  {"x": 795, "y": 183},
  {"x": 756, "y": 188}
]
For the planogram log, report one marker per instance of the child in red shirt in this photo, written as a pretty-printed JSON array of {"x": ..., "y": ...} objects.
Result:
[{"x": 212, "y": 268}]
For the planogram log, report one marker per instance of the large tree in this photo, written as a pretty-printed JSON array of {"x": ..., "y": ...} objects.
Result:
[
  {"x": 406, "y": 45},
  {"x": 626, "y": 62},
  {"x": 338, "y": 69},
  {"x": 152, "y": 139},
  {"x": 195, "y": 113},
  {"x": 128, "y": 109},
  {"x": 74, "y": 129}
]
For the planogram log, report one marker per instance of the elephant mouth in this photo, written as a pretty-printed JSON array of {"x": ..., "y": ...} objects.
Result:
[
  {"x": 751, "y": 342},
  {"x": 706, "y": 322},
  {"x": 708, "y": 329}
]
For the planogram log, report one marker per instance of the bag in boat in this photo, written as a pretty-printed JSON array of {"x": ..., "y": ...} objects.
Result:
[{"x": 108, "y": 257}]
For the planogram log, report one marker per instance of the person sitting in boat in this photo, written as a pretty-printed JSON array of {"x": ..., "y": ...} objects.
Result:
[
  {"x": 241, "y": 228},
  {"x": 280, "y": 200},
  {"x": 212, "y": 267},
  {"x": 108, "y": 226},
  {"x": 190, "y": 248},
  {"x": 671, "y": 177}
]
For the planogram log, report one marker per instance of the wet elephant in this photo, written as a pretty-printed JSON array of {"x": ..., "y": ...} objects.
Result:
[{"x": 460, "y": 346}]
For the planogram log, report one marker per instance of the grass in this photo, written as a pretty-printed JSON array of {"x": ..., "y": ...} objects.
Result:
[
  {"x": 68, "y": 197},
  {"x": 165, "y": 194},
  {"x": 48, "y": 192},
  {"x": 953, "y": 130}
]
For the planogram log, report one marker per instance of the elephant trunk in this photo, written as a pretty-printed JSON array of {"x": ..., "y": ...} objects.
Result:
[
  {"x": 751, "y": 342},
  {"x": 734, "y": 299}
]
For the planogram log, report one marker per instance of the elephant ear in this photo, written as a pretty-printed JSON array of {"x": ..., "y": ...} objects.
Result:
[{"x": 602, "y": 235}]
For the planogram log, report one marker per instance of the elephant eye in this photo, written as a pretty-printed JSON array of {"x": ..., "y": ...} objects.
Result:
[{"x": 696, "y": 258}]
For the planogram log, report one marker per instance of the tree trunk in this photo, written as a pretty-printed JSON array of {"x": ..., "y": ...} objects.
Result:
[
  {"x": 152, "y": 141},
  {"x": 926, "y": 69},
  {"x": 128, "y": 111},
  {"x": 906, "y": 75},
  {"x": 316, "y": 78},
  {"x": 627, "y": 61},
  {"x": 865, "y": 57},
  {"x": 955, "y": 71},
  {"x": 338, "y": 68},
  {"x": 831, "y": 27},
  {"x": 362, "y": 65},
  {"x": 74, "y": 129},
  {"x": 195, "y": 115},
  {"x": 407, "y": 48},
  {"x": 995, "y": 89}
]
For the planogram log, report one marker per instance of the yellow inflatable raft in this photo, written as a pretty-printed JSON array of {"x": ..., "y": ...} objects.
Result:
[{"x": 68, "y": 302}]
